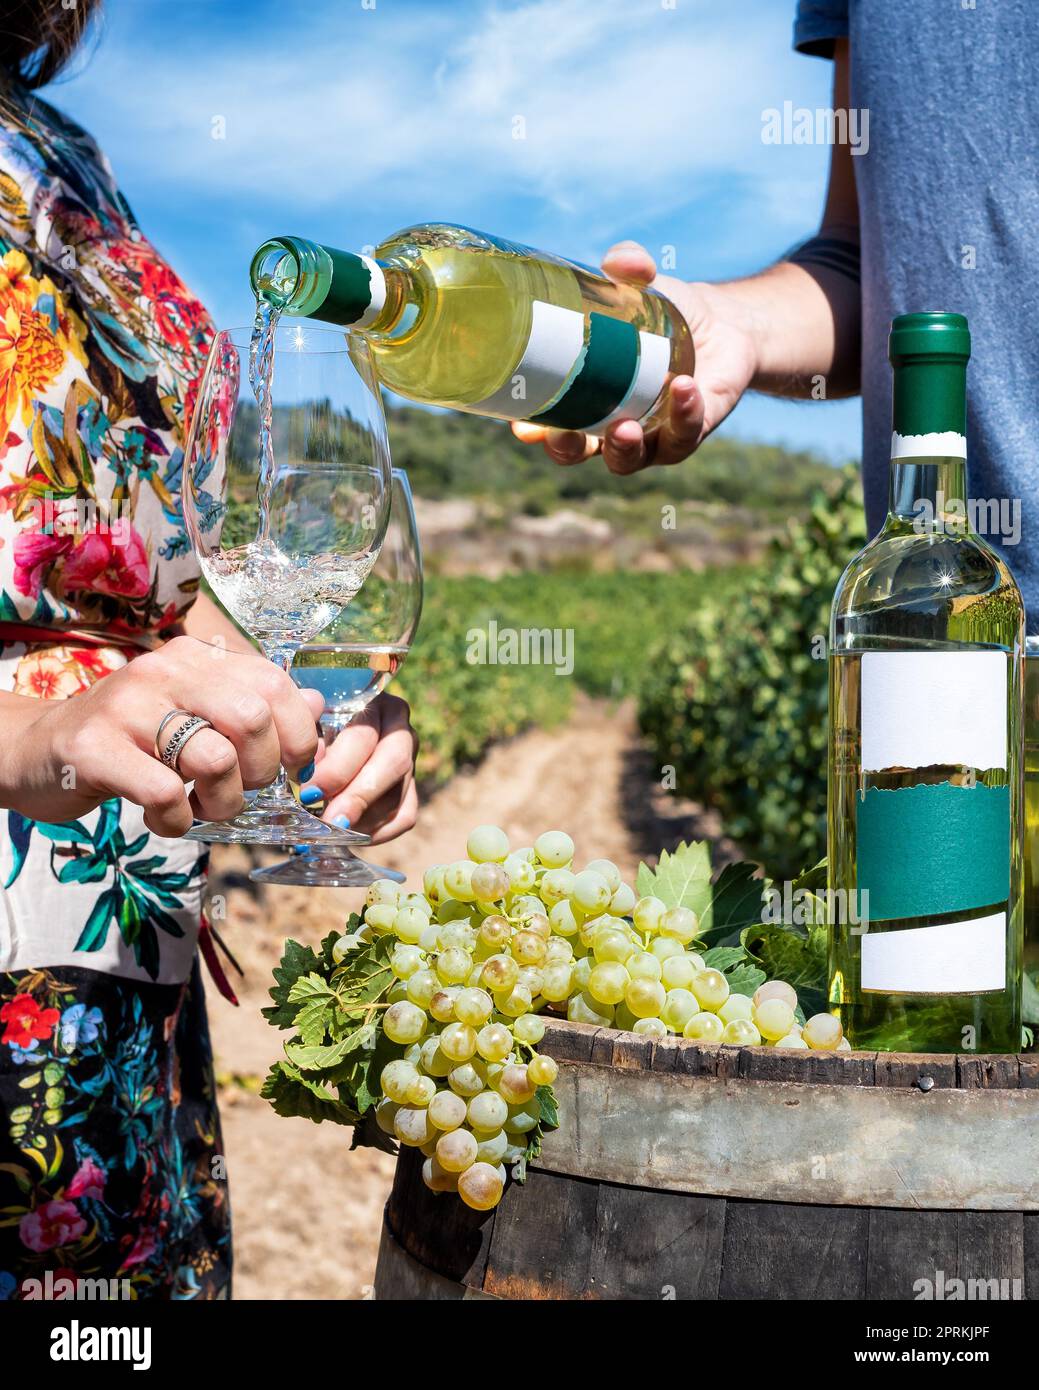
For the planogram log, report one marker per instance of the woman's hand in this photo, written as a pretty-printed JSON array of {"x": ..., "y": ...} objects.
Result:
[
  {"x": 70, "y": 755},
  {"x": 726, "y": 361},
  {"x": 367, "y": 775}
]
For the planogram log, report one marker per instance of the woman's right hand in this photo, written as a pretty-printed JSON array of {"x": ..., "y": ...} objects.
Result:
[{"x": 99, "y": 744}]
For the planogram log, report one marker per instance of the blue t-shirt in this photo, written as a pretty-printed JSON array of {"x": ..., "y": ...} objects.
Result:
[{"x": 949, "y": 210}]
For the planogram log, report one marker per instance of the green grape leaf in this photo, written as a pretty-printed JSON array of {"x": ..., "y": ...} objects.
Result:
[
  {"x": 745, "y": 979},
  {"x": 316, "y": 1008},
  {"x": 317, "y": 1058},
  {"x": 291, "y": 1093},
  {"x": 724, "y": 957},
  {"x": 796, "y": 957},
  {"x": 364, "y": 1087},
  {"x": 812, "y": 878},
  {"x": 735, "y": 903},
  {"x": 296, "y": 961},
  {"x": 368, "y": 1135},
  {"x": 364, "y": 974},
  {"x": 548, "y": 1106},
  {"x": 681, "y": 879},
  {"x": 1029, "y": 999},
  {"x": 549, "y": 1119}
]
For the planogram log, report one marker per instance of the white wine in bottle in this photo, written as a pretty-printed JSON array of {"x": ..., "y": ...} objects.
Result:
[
  {"x": 461, "y": 319},
  {"x": 925, "y": 758}
]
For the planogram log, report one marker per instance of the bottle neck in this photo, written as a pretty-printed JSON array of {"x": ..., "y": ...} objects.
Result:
[
  {"x": 928, "y": 480},
  {"x": 304, "y": 278}
]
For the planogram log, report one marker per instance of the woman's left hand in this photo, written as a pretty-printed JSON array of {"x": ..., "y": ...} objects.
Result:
[{"x": 367, "y": 776}]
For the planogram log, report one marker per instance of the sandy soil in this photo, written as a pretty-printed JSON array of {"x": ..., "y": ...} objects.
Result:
[{"x": 307, "y": 1212}]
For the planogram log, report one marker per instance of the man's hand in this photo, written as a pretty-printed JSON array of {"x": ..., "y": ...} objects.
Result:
[{"x": 726, "y": 361}]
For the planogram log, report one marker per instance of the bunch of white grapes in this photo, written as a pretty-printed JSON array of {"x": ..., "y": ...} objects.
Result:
[{"x": 502, "y": 935}]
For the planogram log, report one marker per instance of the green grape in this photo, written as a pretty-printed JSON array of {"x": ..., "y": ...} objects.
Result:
[
  {"x": 608, "y": 870},
  {"x": 406, "y": 961},
  {"x": 554, "y": 848},
  {"x": 558, "y": 949},
  {"x": 487, "y": 844},
  {"x": 409, "y": 924},
  {"x": 663, "y": 947},
  {"x": 582, "y": 971},
  {"x": 539, "y": 924},
  {"x": 516, "y": 1148},
  {"x": 494, "y": 1042},
  {"x": 458, "y": 880},
  {"x": 386, "y": 1113},
  {"x": 457, "y": 936},
  {"x": 447, "y": 1110},
  {"x": 843, "y": 1046},
  {"x": 542, "y": 1070},
  {"x": 456, "y": 1150},
  {"x": 453, "y": 965},
  {"x": 404, "y": 1022},
  {"x": 489, "y": 1111},
  {"x": 528, "y": 948},
  {"x": 434, "y": 1063},
  {"x": 381, "y": 916},
  {"x": 421, "y": 1091},
  {"x": 437, "y": 893},
  {"x": 591, "y": 892},
  {"x": 429, "y": 1148},
  {"x": 679, "y": 1007},
  {"x": 582, "y": 1008},
  {"x": 475, "y": 977},
  {"x": 774, "y": 1018},
  {"x": 412, "y": 1125},
  {"x": 442, "y": 1005},
  {"x": 431, "y": 882},
  {"x": 531, "y": 977},
  {"x": 711, "y": 989},
  {"x": 776, "y": 989},
  {"x": 495, "y": 1069},
  {"x": 491, "y": 1146},
  {"x": 523, "y": 1118},
  {"x": 489, "y": 883},
  {"x": 525, "y": 905},
  {"x": 558, "y": 982},
  {"x": 430, "y": 939},
  {"x": 458, "y": 1042},
  {"x": 822, "y": 1032},
  {"x": 413, "y": 1053},
  {"x": 473, "y": 1006},
  {"x": 437, "y": 1178},
  {"x": 421, "y": 987},
  {"x": 622, "y": 904},
  {"x": 556, "y": 886},
  {"x": 529, "y": 1029},
  {"x": 396, "y": 1078},
  {"x": 480, "y": 1186},
  {"x": 742, "y": 1032},
  {"x": 398, "y": 990},
  {"x": 623, "y": 1019},
  {"x": 522, "y": 873},
  {"x": 795, "y": 1040},
  {"x": 514, "y": 1002},
  {"x": 418, "y": 901},
  {"x": 495, "y": 931},
  {"x": 680, "y": 924},
  {"x": 611, "y": 944},
  {"x": 652, "y": 1027},
  {"x": 591, "y": 927},
  {"x": 608, "y": 982},
  {"x": 677, "y": 971},
  {"x": 736, "y": 1006},
  {"x": 698, "y": 961},
  {"x": 500, "y": 973},
  {"x": 706, "y": 1027},
  {"x": 467, "y": 1079},
  {"x": 645, "y": 998},
  {"x": 563, "y": 919},
  {"x": 647, "y": 913},
  {"x": 643, "y": 965},
  {"x": 383, "y": 890}
]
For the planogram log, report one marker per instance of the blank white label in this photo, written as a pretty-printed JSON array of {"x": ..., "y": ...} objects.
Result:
[
  {"x": 553, "y": 351},
  {"x": 925, "y": 708},
  {"x": 949, "y": 958}
]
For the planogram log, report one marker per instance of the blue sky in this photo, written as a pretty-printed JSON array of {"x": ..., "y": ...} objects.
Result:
[{"x": 343, "y": 120}]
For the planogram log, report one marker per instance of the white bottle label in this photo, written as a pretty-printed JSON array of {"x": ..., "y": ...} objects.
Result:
[
  {"x": 949, "y": 958},
  {"x": 554, "y": 349}
]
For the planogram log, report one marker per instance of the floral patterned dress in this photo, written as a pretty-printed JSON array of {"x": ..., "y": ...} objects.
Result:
[{"x": 110, "y": 1155}]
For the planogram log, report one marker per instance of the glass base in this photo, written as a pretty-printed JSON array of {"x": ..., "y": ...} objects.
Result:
[
  {"x": 289, "y": 827},
  {"x": 321, "y": 868}
]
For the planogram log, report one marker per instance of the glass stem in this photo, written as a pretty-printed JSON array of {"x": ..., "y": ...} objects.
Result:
[{"x": 282, "y": 655}]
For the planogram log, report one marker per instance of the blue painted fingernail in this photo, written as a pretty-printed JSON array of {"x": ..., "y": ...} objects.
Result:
[
  {"x": 309, "y": 795},
  {"x": 305, "y": 773},
  {"x": 343, "y": 822}
]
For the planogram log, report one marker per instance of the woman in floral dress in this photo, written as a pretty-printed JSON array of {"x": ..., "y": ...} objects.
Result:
[{"x": 110, "y": 1156}]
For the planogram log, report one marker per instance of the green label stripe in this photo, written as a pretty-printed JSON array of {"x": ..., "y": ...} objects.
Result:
[
  {"x": 611, "y": 359},
  {"x": 350, "y": 290},
  {"x": 933, "y": 849}
]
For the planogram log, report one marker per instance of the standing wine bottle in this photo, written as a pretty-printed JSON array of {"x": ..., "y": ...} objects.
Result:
[
  {"x": 925, "y": 753},
  {"x": 461, "y": 319}
]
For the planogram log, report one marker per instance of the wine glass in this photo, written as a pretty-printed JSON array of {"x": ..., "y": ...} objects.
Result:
[
  {"x": 350, "y": 663},
  {"x": 286, "y": 498}
]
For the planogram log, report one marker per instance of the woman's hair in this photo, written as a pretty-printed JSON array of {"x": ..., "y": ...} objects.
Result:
[{"x": 38, "y": 37}]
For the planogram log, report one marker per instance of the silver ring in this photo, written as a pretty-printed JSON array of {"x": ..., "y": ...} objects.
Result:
[
  {"x": 170, "y": 755},
  {"x": 184, "y": 714}
]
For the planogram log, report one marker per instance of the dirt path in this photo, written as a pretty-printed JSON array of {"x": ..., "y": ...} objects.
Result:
[{"x": 307, "y": 1211}]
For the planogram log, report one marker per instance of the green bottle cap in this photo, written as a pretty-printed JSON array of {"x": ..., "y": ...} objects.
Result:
[
  {"x": 938, "y": 336},
  {"x": 314, "y": 281},
  {"x": 929, "y": 354}
]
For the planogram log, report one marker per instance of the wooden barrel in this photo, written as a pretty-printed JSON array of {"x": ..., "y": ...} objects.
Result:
[{"x": 698, "y": 1171}]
